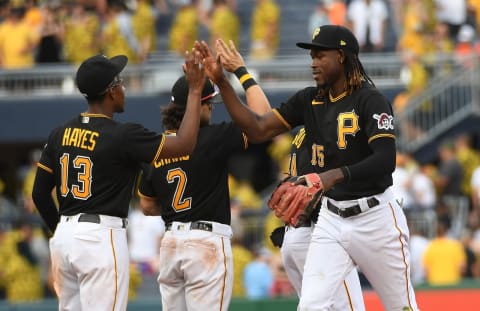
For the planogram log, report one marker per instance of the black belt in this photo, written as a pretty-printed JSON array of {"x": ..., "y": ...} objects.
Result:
[
  {"x": 307, "y": 223},
  {"x": 351, "y": 210},
  {"x": 194, "y": 225},
  {"x": 96, "y": 219}
]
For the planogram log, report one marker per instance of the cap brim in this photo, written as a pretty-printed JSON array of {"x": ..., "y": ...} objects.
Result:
[
  {"x": 309, "y": 46},
  {"x": 120, "y": 62}
]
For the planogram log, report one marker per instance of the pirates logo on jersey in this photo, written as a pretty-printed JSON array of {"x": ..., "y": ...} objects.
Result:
[{"x": 384, "y": 121}]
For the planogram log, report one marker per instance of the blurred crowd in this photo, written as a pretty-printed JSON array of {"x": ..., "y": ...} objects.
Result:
[
  {"x": 50, "y": 31},
  {"x": 441, "y": 198}
]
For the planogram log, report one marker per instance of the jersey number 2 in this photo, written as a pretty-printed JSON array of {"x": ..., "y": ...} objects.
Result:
[
  {"x": 179, "y": 203},
  {"x": 81, "y": 188}
]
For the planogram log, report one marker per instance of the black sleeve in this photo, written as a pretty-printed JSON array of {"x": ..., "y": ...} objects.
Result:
[
  {"x": 42, "y": 197},
  {"x": 379, "y": 164}
]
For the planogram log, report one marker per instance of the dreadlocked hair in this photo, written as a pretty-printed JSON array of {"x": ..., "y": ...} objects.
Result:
[
  {"x": 355, "y": 74},
  {"x": 172, "y": 116}
]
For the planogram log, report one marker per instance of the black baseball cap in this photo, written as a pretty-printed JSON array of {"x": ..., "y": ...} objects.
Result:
[
  {"x": 180, "y": 92},
  {"x": 332, "y": 37},
  {"x": 97, "y": 72}
]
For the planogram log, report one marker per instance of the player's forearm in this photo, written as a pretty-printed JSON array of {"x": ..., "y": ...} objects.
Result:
[
  {"x": 257, "y": 100},
  {"x": 242, "y": 115},
  {"x": 42, "y": 197},
  {"x": 186, "y": 137}
]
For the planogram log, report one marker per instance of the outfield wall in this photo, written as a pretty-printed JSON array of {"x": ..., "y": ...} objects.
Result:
[{"x": 464, "y": 297}]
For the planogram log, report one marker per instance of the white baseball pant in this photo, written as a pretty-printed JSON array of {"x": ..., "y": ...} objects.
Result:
[
  {"x": 90, "y": 264},
  {"x": 294, "y": 252},
  {"x": 376, "y": 240},
  {"x": 196, "y": 268}
]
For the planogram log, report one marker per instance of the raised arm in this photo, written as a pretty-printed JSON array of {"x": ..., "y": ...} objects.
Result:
[
  {"x": 185, "y": 140},
  {"x": 258, "y": 128},
  {"x": 232, "y": 61}
]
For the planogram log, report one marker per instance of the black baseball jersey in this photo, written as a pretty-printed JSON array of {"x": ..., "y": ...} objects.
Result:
[
  {"x": 340, "y": 130},
  {"x": 95, "y": 161},
  {"x": 196, "y": 187},
  {"x": 300, "y": 155}
]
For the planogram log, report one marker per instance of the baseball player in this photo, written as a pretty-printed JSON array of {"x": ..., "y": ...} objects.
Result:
[
  {"x": 297, "y": 239},
  {"x": 294, "y": 241},
  {"x": 191, "y": 194},
  {"x": 351, "y": 132},
  {"x": 92, "y": 162}
]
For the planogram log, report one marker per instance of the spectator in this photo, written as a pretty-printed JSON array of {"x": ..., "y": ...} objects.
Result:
[
  {"x": 415, "y": 77},
  {"x": 33, "y": 14},
  {"x": 143, "y": 23},
  {"x": 444, "y": 259},
  {"x": 118, "y": 36},
  {"x": 417, "y": 22},
  {"x": 450, "y": 172},
  {"x": 145, "y": 234},
  {"x": 258, "y": 276},
  {"x": 224, "y": 23},
  {"x": 241, "y": 255},
  {"x": 469, "y": 159},
  {"x": 337, "y": 11},
  {"x": 401, "y": 180},
  {"x": 281, "y": 286},
  {"x": 9, "y": 212},
  {"x": 475, "y": 199},
  {"x": 265, "y": 30},
  {"x": 27, "y": 182},
  {"x": 82, "y": 31},
  {"x": 184, "y": 30},
  {"x": 453, "y": 13},
  {"x": 467, "y": 47},
  {"x": 473, "y": 11},
  {"x": 50, "y": 45},
  {"x": 20, "y": 268},
  {"x": 418, "y": 245},
  {"x": 443, "y": 50},
  {"x": 18, "y": 40},
  {"x": 368, "y": 21},
  {"x": 319, "y": 16},
  {"x": 472, "y": 265}
]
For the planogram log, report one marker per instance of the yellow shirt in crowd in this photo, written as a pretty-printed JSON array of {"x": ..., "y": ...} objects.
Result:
[
  {"x": 17, "y": 40},
  {"x": 444, "y": 260}
]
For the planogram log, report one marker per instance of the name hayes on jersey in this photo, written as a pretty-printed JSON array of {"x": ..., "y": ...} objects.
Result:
[{"x": 80, "y": 138}]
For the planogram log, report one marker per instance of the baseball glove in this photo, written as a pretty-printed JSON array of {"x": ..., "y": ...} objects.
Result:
[{"x": 295, "y": 198}]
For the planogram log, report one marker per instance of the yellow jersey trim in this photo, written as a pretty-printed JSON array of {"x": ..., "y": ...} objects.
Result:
[
  {"x": 350, "y": 303},
  {"x": 400, "y": 233},
  {"x": 317, "y": 102},
  {"x": 94, "y": 115},
  {"x": 159, "y": 150},
  {"x": 224, "y": 275},
  {"x": 145, "y": 196},
  {"x": 340, "y": 96},
  {"x": 279, "y": 116},
  {"x": 245, "y": 141},
  {"x": 46, "y": 168},
  {"x": 380, "y": 136},
  {"x": 115, "y": 269}
]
